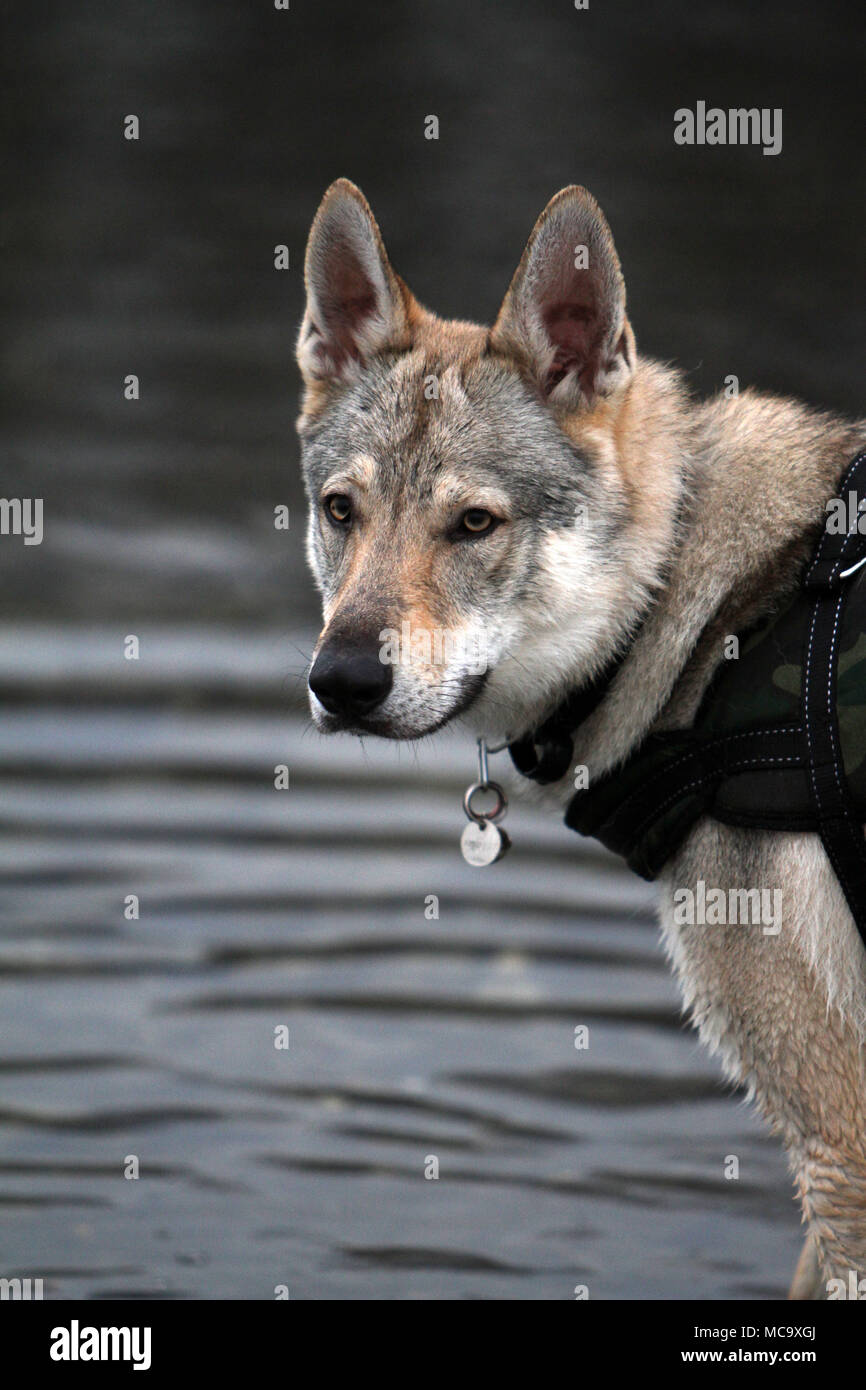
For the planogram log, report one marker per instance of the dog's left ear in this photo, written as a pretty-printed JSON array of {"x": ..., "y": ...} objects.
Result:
[{"x": 564, "y": 312}]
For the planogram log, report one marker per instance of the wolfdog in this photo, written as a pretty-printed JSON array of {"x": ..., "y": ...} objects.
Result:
[{"x": 540, "y": 484}]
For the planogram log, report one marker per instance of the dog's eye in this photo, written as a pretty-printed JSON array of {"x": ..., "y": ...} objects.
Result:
[
  {"x": 476, "y": 521},
  {"x": 339, "y": 508}
]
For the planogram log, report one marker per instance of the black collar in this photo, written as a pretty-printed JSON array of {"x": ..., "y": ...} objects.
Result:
[{"x": 545, "y": 754}]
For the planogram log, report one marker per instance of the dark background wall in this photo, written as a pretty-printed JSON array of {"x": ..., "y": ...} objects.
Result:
[{"x": 156, "y": 257}]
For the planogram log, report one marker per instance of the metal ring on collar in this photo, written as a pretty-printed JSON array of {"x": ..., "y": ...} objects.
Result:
[{"x": 482, "y": 817}]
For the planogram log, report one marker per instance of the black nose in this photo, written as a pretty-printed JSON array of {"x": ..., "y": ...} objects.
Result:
[{"x": 349, "y": 679}]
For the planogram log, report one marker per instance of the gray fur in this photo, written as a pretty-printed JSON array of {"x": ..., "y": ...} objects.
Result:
[{"x": 621, "y": 499}]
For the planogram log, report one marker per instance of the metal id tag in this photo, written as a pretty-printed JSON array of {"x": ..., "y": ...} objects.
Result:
[{"x": 483, "y": 840}]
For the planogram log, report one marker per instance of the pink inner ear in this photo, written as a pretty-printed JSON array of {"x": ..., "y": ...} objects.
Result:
[
  {"x": 572, "y": 330},
  {"x": 349, "y": 300}
]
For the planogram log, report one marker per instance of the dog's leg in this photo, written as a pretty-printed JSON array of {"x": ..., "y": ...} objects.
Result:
[
  {"x": 831, "y": 1178},
  {"x": 808, "y": 1281},
  {"x": 784, "y": 1004}
]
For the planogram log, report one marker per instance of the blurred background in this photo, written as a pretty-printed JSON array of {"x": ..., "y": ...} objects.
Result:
[{"x": 411, "y": 1035}]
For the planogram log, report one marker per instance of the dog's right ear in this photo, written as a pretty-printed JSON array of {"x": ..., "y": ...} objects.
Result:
[
  {"x": 355, "y": 301},
  {"x": 564, "y": 313}
]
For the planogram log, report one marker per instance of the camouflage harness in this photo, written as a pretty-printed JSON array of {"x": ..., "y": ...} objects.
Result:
[{"x": 778, "y": 742}]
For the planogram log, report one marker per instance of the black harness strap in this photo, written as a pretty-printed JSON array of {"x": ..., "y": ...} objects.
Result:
[
  {"x": 676, "y": 768},
  {"x": 838, "y": 821}
]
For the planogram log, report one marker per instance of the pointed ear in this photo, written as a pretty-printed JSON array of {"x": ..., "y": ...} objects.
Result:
[
  {"x": 355, "y": 303},
  {"x": 564, "y": 312}
]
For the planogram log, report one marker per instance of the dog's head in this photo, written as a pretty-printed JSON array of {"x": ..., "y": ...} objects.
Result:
[{"x": 474, "y": 528}]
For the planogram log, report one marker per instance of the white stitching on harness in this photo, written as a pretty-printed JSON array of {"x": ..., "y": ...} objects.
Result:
[
  {"x": 730, "y": 738},
  {"x": 840, "y": 874},
  {"x": 735, "y": 767}
]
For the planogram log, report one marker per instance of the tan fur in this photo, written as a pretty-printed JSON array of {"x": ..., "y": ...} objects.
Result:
[
  {"x": 784, "y": 1019},
  {"x": 718, "y": 504}
]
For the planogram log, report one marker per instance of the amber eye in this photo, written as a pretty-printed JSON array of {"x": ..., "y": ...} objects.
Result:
[
  {"x": 339, "y": 508},
  {"x": 476, "y": 521}
]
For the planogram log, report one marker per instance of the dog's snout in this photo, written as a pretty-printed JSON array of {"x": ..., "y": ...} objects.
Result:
[{"x": 348, "y": 678}]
